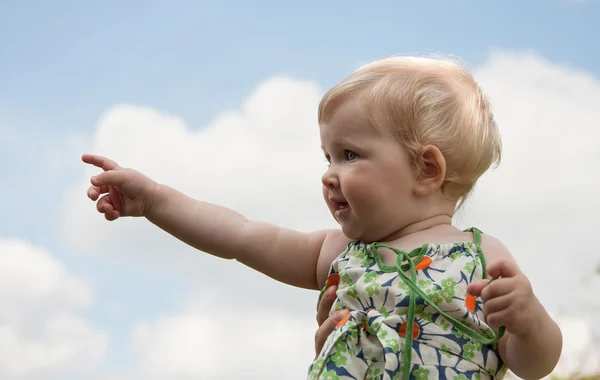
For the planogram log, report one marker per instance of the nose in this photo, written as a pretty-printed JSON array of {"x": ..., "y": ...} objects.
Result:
[{"x": 330, "y": 179}]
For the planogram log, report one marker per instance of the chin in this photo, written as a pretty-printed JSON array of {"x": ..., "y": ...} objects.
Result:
[{"x": 351, "y": 234}]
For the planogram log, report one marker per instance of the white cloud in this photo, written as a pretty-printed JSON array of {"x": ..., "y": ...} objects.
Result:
[
  {"x": 581, "y": 351},
  {"x": 40, "y": 331},
  {"x": 264, "y": 161},
  {"x": 541, "y": 201},
  {"x": 211, "y": 341}
]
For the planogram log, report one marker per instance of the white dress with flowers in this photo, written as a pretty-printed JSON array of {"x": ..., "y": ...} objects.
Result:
[{"x": 426, "y": 290}]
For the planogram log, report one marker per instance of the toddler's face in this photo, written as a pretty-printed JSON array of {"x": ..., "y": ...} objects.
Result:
[{"x": 369, "y": 184}]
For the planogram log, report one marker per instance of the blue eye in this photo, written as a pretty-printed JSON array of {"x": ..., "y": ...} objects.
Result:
[{"x": 350, "y": 155}]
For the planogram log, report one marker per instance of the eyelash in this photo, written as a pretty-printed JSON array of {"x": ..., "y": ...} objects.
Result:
[{"x": 347, "y": 153}]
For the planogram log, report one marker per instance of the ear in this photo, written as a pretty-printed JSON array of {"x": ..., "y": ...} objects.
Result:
[{"x": 432, "y": 171}]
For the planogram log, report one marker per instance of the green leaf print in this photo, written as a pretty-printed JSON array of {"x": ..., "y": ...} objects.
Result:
[
  {"x": 404, "y": 286},
  {"x": 318, "y": 364},
  {"x": 381, "y": 334},
  {"x": 460, "y": 377},
  {"x": 372, "y": 289},
  {"x": 352, "y": 292},
  {"x": 360, "y": 253},
  {"x": 457, "y": 333},
  {"x": 436, "y": 298},
  {"x": 455, "y": 255},
  {"x": 373, "y": 374},
  {"x": 444, "y": 324},
  {"x": 469, "y": 266},
  {"x": 384, "y": 311},
  {"x": 367, "y": 262},
  {"x": 424, "y": 284},
  {"x": 341, "y": 346},
  {"x": 448, "y": 283},
  {"x": 421, "y": 313},
  {"x": 370, "y": 276},
  {"x": 330, "y": 375},
  {"x": 421, "y": 373},
  {"x": 345, "y": 279},
  {"x": 393, "y": 344},
  {"x": 446, "y": 351},
  {"x": 447, "y": 294},
  {"x": 340, "y": 359},
  {"x": 339, "y": 306},
  {"x": 469, "y": 350}
]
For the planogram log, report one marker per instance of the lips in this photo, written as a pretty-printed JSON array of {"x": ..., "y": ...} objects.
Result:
[{"x": 340, "y": 207}]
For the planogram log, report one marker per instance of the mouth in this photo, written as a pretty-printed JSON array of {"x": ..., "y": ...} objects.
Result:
[
  {"x": 340, "y": 209},
  {"x": 341, "y": 205}
]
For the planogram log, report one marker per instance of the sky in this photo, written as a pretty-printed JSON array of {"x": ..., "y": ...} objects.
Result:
[{"x": 219, "y": 100}]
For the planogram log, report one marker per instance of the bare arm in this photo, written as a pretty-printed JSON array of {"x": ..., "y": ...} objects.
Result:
[
  {"x": 535, "y": 353},
  {"x": 532, "y": 344},
  {"x": 285, "y": 255}
]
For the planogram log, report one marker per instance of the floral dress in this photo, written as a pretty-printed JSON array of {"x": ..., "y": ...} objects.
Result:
[{"x": 426, "y": 290}]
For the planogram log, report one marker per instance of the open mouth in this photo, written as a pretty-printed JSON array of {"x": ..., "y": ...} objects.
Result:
[
  {"x": 341, "y": 208},
  {"x": 342, "y": 205}
]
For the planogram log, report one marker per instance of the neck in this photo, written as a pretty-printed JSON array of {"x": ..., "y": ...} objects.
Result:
[{"x": 421, "y": 225}]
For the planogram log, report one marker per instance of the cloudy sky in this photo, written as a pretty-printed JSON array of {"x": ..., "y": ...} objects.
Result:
[{"x": 219, "y": 100}]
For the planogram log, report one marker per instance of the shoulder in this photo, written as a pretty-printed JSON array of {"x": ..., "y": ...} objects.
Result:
[
  {"x": 334, "y": 244},
  {"x": 495, "y": 251}
]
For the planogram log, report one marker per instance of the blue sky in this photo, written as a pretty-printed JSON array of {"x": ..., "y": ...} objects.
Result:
[{"x": 64, "y": 63}]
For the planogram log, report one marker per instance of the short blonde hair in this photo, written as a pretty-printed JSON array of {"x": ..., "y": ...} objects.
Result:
[{"x": 427, "y": 101}]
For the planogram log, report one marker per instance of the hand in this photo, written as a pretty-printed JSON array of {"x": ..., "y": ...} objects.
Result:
[
  {"x": 127, "y": 191},
  {"x": 326, "y": 323},
  {"x": 508, "y": 300}
]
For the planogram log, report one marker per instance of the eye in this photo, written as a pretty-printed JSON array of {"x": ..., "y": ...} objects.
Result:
[
  {"x": 328, "y": 159},
  {"x": 350, "y": 155}
]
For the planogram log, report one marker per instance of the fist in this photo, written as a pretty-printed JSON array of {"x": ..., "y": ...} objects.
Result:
[
  {"x": 118, "y": 191},
  {"x": 508, "y": 299}
]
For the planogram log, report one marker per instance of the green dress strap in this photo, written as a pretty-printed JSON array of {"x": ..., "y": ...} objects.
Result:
[
  {"x": 477, "y": 241},
  {"x": 476, "y": 236}
]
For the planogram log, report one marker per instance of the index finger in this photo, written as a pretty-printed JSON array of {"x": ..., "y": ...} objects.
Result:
[{"x": 100, "y": 162}]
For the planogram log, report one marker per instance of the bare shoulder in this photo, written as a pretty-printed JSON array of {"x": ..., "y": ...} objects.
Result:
[
  {"x": 495, "y": 251},
  {"x": 334, "y": 244}
]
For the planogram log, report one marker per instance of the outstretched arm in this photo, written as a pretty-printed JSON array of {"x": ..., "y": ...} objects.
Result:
[
  {"x": 296, "y": 258},
  {"x": 286, "y": 255}
]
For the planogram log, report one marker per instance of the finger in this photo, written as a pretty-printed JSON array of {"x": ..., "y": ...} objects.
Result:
[
  {"x": 115, "y": 198},
  {"x": 113, "y": 215},
  {"x": 496, "y": 305},
  {"x": 476, "y": 287},
  {"x": 503, "y": 268},
  {"x": 325, "y": 304},
  {"x": 326, "y": 329},
  {"x": 498, "y": 319},
  {"x": 113, "y": 177},
  {"x": 95, "y": 191},
  {"x": 100, "y": 162},
  {"x": 104, "y": 205},
  {"x": 497, "y": 288}
]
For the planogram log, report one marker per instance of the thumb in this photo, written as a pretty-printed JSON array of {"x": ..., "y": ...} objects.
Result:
[
  {"x": 476, "y": 287},
  {"x": 327, "y": 328}
]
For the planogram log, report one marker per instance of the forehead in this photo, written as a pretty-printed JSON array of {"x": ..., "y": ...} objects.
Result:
[{"x": 348, "y": 122}]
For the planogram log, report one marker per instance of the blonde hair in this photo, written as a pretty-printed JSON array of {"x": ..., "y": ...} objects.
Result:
[{"x": 427, "y": 101}]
